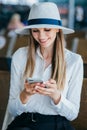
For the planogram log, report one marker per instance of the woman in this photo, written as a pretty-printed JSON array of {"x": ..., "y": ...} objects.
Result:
[
  {"x": 53, "y": 103},
  {"x": 15, "y": 22}
]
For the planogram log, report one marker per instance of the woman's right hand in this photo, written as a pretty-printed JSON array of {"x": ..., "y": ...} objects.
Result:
[{"x": 29, "y": 89}]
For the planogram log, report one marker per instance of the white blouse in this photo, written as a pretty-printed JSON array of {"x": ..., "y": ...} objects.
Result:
[{"x": 70, "y": 97}]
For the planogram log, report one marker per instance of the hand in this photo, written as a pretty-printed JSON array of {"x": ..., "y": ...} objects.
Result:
[
  {"x": 29, "y": 88},
  {"x": 50, "y": 90}
]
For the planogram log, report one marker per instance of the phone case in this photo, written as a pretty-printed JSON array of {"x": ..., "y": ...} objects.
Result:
[{"x": 34, "y": 80}]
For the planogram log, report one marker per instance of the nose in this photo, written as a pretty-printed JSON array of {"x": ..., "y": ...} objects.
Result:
[{"x": 41, "y": 34}]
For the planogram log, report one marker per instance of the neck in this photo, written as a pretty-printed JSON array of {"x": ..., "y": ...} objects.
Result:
[
  {"x": 47, "y": 55},
  {"x": 46, "y": 52}
]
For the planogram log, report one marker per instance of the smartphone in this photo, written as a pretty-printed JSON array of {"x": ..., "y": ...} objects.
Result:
[{"x": 34, "y": 80}]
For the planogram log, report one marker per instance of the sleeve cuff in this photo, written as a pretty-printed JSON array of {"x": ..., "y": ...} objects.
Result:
[
  {"x": 20, "y": 106},
  {"x": 57, "y": 105}
]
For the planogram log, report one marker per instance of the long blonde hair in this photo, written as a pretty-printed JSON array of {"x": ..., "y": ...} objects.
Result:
[{"x": 58, "y": 60}]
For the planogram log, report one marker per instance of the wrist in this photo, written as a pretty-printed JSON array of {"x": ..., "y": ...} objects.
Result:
[
  {"x": 57, "y": 99},
  {"x": 24, "y": 96},
  {"x": 26, "y": 93}
]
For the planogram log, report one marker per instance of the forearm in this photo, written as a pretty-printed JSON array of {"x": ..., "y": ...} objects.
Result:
[
  {"x": 24, "y": 96},
  {"x": 56, "y": 98}
]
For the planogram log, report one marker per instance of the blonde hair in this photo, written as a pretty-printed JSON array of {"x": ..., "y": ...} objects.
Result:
[{"x": 58, "y": 60}]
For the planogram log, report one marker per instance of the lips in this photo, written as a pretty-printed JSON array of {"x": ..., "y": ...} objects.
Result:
[{"x": 43, "y": 41}]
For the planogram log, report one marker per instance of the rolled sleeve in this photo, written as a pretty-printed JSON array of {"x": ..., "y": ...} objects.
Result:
[
  {"x": 65, "y": 108},
  {"x": 18, "y": 107}
]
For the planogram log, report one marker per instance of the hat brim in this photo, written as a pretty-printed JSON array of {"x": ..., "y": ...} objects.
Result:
[{"x": 25, "y": 30}]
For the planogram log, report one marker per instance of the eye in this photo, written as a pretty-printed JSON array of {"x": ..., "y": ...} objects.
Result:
[
  {"x": 35, "y": 30},
  {"x": 47, "y": 29}
]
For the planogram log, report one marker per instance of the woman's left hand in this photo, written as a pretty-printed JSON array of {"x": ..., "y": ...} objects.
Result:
[{"x": 50, "y": 89}]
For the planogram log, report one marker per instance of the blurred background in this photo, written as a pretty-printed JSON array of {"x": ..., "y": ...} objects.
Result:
[{"x": 14, "y": 14}]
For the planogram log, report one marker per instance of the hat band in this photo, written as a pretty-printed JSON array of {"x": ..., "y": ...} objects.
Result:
[{"x": 45, "y": 21}]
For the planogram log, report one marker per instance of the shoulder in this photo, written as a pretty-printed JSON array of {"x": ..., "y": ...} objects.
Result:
[
  {"x": 20, "y": 53},
  {"x": 19, "y": 58},
  {"x": 72, "y": 58}
]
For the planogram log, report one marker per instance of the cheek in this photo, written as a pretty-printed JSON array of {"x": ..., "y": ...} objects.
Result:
[
  {"x": 35, "y": 36},
  {"x": 53, "y": 36}
]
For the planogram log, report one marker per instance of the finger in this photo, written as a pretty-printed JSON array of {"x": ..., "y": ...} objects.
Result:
[
  {"x": 29, "y": 85},
  {"x": 49, "y": 85},
  {"x": 52, "y": 81},
  {"x": 43, "y": 91}
]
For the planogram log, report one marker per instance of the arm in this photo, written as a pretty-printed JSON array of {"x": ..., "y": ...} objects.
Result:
[
  {"x": 70, "y": 102},
  {"x": 16, "y": 86}
]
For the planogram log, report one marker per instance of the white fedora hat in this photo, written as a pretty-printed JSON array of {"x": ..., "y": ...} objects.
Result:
[{"x": 44, "y": 15}]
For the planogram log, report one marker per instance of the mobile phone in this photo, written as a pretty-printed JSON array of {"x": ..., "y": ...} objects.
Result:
[{"x": 34, "y": 80}]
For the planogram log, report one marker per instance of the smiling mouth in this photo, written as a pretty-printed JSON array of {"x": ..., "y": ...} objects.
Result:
[{"x": 43, "y": 41}]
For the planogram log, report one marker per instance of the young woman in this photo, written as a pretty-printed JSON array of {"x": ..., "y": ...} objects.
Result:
[{"x": 53, "y": 103}]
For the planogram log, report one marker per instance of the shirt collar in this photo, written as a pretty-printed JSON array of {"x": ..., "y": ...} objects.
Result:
[{"x": 39, "y": 53}]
